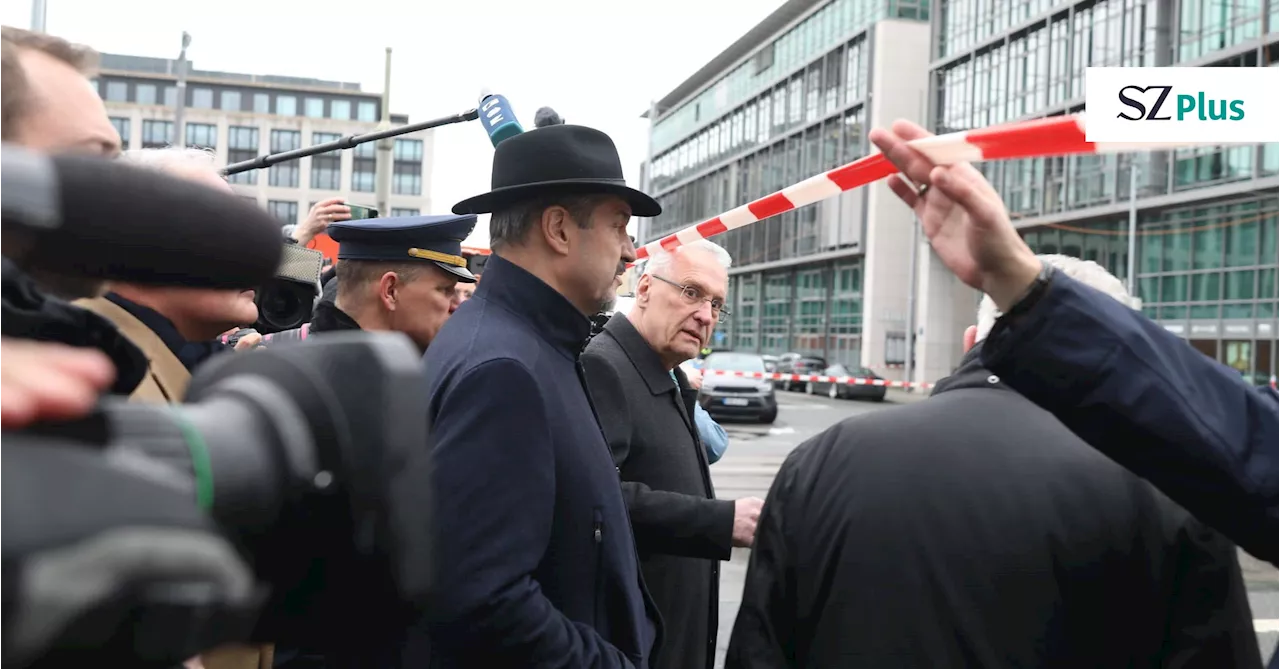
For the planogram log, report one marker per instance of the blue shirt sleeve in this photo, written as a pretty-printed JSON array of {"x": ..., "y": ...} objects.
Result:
[{"x": 712, "y": 435}]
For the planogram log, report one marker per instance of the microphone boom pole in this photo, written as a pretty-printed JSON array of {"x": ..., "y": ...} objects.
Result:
[{"x": 350, "y": 141}]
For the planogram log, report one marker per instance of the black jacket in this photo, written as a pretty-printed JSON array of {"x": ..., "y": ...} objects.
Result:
[
  {"x": 536, "y": 563},
  {"x": 31, "y": 314},
  {"x": 682, "y": 531},
  {"x": 1142, "y": 396},
  {"x": 974, "y": 530}
]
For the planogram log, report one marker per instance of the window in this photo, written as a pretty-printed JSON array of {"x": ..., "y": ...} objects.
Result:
[
  {"x": 202, "y": 135},
  {"x": 285, "y": 140},
  {"x": 403, "y": 212},
  {"x": 242, "y": 145},
  {"x": 287, "y": 212},
  {"x": 286, "y": 105},
  {"x": 170, "y": 96},
  {"x": 363, "y": 172},
  {"x": 122, "y": 128},
  {"x": 367, "y": 111},
  {"x": 284, "y": 174},
  {"x": 202, "y": 98},
  {"x": 315, "y": 108},
  {"x": 117, "y": 91},
  {"x": 230, "y": 100},
  {"x": 156, "y": 134},
  {"x": 408, "y": 149},
  {"x": 326, "y": 168},
  {"x": 145, "y": 94},
  {"x": 261, "y": 103},
  {"x": 406, "y": 178},
  {"x": 364, "y": 167},
  {"x": 340, "y": 109}
]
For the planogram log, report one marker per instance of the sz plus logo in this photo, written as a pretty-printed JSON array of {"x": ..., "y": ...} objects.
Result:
[
  {"x": 1177, "y": 106},
  {"x": 1152, "y": 103}
]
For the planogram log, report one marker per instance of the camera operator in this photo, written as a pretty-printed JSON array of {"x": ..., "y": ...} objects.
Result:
[{"x": 175, "y": 327}]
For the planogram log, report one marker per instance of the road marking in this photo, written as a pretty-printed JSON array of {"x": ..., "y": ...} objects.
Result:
[
  {"x": 1261, "y": 625},
  {"x": 782, "y": 430}
]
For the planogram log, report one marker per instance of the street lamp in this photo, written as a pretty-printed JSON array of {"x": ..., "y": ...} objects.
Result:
[{"x": 179, "y": 132}]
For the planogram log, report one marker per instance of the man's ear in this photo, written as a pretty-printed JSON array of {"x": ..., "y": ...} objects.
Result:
[
  {"x": 642, "y": 290},
  {"x": 388, "y": 290},
  {"x": 970, "y": 337},
  {"x": 555, "y": 224}
]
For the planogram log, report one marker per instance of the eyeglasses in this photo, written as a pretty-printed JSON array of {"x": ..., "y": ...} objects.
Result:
[{"x": 694, "y": 296}]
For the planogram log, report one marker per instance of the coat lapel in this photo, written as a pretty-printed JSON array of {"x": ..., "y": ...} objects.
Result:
[
  {"x": 647, "y": 363},
  {"x": 164, "y": 369}
]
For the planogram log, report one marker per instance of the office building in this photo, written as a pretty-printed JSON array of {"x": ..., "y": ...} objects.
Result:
[
  {"x": 796, "y": 95},
  {"x": 243, "y": 116},
  {"x": 1206, "y": 244},
  {"x": 791, "y": 98}
]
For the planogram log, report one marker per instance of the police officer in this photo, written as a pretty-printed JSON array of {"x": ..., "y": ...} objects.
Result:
[{"x": 397, "y": 274}]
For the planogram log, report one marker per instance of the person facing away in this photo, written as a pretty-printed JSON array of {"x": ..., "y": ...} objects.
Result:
[
  {"x": 974, "y": 530},
  {"x": 536, "y": 563},
  {"x": 647, "y": 409}
]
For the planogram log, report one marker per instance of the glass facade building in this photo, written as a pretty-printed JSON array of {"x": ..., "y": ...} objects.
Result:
[
  {"x": 1206, "y": 246},
  {"x": 791, "y": 102}
]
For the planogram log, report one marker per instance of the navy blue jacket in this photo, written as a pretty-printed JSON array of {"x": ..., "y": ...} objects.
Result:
[
  {"x": 1147, "y": 400},
  {"x": 537, "y": 565}
]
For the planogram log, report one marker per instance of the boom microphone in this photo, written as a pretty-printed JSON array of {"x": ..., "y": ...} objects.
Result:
[
  {"x": 91, "y": 217},
  {"x": 497, "y": 118}
]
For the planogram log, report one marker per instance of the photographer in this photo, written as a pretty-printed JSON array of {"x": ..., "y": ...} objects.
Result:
[{"x": 175, "y": 327}]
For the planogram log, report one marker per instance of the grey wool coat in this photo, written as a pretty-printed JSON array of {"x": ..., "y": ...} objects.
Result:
[{"x": 682, "y": 531}]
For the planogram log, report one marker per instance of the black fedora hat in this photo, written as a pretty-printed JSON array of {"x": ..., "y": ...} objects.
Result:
[{"x": 557, "y": 159}]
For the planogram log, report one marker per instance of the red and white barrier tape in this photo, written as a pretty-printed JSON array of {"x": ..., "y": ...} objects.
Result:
[
  {"x": 841, "y": 380},
  {"x": 1039, "y": 138}
]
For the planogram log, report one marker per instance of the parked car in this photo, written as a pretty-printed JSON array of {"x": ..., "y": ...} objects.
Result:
[
  {"x": 770, "y": 363},
  {"x": 807, "y": 364},
  {"x": 836, "y": 390},
  {"x": 736, "y": 396}
]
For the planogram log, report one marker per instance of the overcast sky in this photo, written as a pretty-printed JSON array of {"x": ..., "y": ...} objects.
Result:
[{"x": 597, "y": 62}]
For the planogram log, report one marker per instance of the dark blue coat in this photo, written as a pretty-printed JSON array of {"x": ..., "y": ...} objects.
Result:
[
  {"x": 537, "y": 565},
  {"x": 1146, "y": 399}
]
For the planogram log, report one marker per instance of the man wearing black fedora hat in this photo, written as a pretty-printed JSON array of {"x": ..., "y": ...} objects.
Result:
[{"x": 536, "y": 561}]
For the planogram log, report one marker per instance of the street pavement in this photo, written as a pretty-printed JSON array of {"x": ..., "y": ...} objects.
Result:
[{"x": 756, "y": 451}]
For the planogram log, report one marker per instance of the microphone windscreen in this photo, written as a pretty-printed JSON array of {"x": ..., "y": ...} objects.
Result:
[
  {"x": 498, "y": 119},
  {"x": 546, "y": 116},
  {"x": 106, "y": 220}
]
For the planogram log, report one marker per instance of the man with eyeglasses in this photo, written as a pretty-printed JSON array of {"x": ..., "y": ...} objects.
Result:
[{"x": 647, "y": 411}]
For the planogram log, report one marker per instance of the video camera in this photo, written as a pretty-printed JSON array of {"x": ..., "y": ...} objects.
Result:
[{"x": 288, "y": 493}]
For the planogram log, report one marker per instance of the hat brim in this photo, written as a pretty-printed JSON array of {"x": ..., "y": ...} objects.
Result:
[
  {"x": 464, "y": 275},
  {"x": 641, "y": 204}
]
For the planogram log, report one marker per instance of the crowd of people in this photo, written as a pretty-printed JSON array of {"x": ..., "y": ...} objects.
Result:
[{"x": 1072, "y": 495}]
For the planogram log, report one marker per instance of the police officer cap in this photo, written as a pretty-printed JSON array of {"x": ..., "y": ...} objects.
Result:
[{"x": 436, "y": 239}]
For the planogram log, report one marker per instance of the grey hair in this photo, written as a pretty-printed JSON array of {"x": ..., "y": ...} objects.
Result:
[
  {"x": 1085, "y": 271},
  {"x": 173, "y": 159},
  {"x": 661, "y": 260},
  {"x": 510, "y": 225}
]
